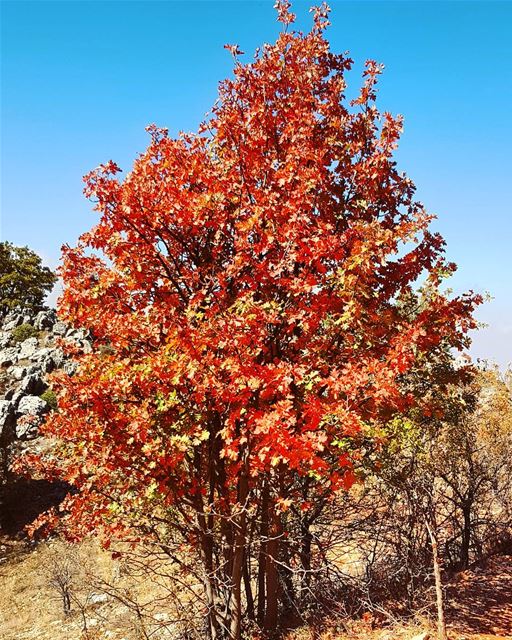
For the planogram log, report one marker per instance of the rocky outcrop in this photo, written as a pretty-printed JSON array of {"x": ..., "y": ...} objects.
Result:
[
  {"x": 7, "y": 420},
  {"x": 29, "y": 351}
]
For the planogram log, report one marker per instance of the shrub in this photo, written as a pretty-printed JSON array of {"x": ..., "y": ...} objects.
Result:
[
  {"x": 50, "y": 398},
  {"x": 23, "y": 332}
]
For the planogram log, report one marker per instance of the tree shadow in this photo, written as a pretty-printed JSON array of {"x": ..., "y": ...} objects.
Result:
[
  {"x": 480, "y": 600},
  {"x": 22, "y": 500}
]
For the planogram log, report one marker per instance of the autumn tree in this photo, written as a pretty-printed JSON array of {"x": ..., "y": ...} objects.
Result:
[
  {"x": 437, "y": 491},
  {"x": 242, "y": 286},
  {"x": 24, "y": 281},
  {"x": 472, "y": 459}
]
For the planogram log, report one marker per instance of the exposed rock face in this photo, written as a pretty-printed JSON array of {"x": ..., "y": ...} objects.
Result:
[
  {"x": 45, "y": 320},
  {"x": 24, "y": 369},
  {"x": 7, "y": 421},
  {"x": 9, "y": 356},
  {"x": 33, "y": 409}
]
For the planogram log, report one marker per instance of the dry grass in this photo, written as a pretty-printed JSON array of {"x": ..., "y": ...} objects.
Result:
[
  {"x": 418, "y": 630},
  {"x": 29, "y": 607},
  {"x": 31, "y": 610}
]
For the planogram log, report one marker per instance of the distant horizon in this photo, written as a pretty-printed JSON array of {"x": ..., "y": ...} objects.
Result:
[{"x": 82, "y": 79}]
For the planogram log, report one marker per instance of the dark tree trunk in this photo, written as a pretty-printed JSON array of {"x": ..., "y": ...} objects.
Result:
[
  {"x": 262, "y": 555},
  {"x": 466, "y": 536},
  {"x": 66, "y": 603},
  {"x": 286, "y": 580},
  {"x": 272, "y": 573},
  {"x": 248, "y": 588},
  {"x": 305, "y": 560},
  {"x": 239, "y": 555}
]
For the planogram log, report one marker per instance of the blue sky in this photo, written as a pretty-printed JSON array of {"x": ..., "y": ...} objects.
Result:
[{"x": 81, "y": 80}]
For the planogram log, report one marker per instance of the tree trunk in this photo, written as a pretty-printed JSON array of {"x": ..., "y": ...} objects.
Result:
[
  {"x": 441, "y": 625},
  {"x": 262, "y": 555},
  {"x": 286, "y": 586},
  {"x": 248, "y": 589},
  {"x": 240, "y": 539},
  {"x": 305, "y": 560},
  {"x": 466, "y": 536},
  {"x": 66, "y": 603},
  {"x": 210, "y": 587},
  {"x": 272, "y": 574}
]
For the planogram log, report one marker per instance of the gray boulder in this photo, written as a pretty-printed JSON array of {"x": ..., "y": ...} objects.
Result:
[
  {"x": 10, "y": 316},
  {"x": 27, "y": 429},
  {"x": 98, "y": 598},
  {"x": 32, "y": 406},
  {"x": 9, "y": 393},
  {"x": 57, "y": 357},
  {"x": 15, "y": 396},
  {"x": 26, "y": 365},
  {"x": 47, "y": 365},
  {"x": 60, "y": 328},
  {"x": 17, "y": 373},
  {"x": 31, "y": 412},
  {"x": 33, "y": 385},
  {"x": 12, "y": 321},
  {"x": 70, "y": 367},
  {"x": 7, "y": 420},
  {"x": 86, "y": 346},
  {"x": 45, "y": 320},
  {"x": 47, "y": 359},
  {"x": 9, "y": 356},
  {"x": 28, "y": 348},
  {"x": 5, "y": 337},
  {"x": 77, "y": 334},
  {"x": 41, "y": 354}
]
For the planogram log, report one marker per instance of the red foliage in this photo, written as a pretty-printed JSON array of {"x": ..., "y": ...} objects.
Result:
[{"x": 244, "y": 287}]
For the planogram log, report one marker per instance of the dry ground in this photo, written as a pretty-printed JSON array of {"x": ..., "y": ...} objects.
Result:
[
  {"x": 480, "y": 604},
  {"x": 479, "y": 601}
]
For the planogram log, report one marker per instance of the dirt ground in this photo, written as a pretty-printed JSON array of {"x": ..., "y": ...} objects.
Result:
[
  {"x": 480, "y": 600},
  {"x": 479, "y": 606}
]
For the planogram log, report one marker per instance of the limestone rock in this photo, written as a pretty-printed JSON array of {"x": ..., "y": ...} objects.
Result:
[
  {"x": 9, "y": 356},
  {"x": 85, "y": 345},
  {"x": 5, "y": 338},
  {"x": 12, "y": 321},
  {"x": 47, "y": 366},
  {"x": 40, "y": 355},
  {"x": 98, "y": 598},
  {"x": 17, "y": 373},
  {"x": 15, "y": 397},
  {"x": 27, "y": 427},
  {"x": 33, "y": 406},
  {"x": 60, "y": 328},
  {"x": 28, "y": 348},
  {"x": 25, "y": 367},
  {"x": 70, "y": 367},
  {"x": 33, "y": 385},
  {"x": 7, "y": 420},
  {"x": 45, "y": 320},
  {"x": 57, "y": 357}
]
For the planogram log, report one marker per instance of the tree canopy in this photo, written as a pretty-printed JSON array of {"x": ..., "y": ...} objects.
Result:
[{"x": 24, "y": 281}]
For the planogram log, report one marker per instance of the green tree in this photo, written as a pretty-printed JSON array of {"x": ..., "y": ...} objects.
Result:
[{"x": 24, "y": 281}]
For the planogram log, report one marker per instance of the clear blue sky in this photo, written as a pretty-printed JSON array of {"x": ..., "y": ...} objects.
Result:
[{"x": 81, "y": 80}]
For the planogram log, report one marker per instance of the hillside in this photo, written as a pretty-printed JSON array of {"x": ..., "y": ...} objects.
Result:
[{"x": 479, "y": 603}]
